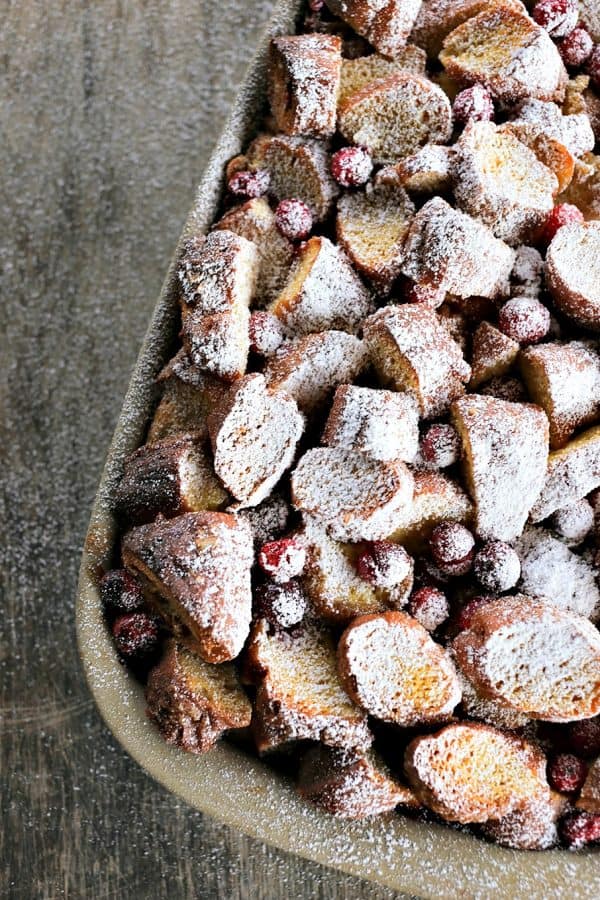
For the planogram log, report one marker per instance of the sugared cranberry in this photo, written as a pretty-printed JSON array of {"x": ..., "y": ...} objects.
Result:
[
  {"x": 423, "y": 292},
  {"x": 266, "y": 333},
  {"x": 281, "y": 604},
  {"x": 576, "y": 48},
  {"x": 316, "y": 5},
  {"x": 429, "y": 607},
  {"x": 472, "y": 606},
  {"x": 282, "y": 559},
  {"x": 351, "y": 166},
  {"x": 136, "y": 635},
  {"x": 474, "y": 104},
  {"x": 566, "y": 773},
  {"x": 452, "y": 548},
  {"x": 440, "y": 446},
  {"x": 561, "y": 214},
  {"x": 573, "y": 523},
  {"x": 584, "y": 737},
  {"x": 293, "y": 219},
  {"x": 383, "y": 564},
  {"x": 120, "y": 592},
  {"x": 593, "y": 66},
  {"x": 249, "y": 185},
  {"x": 557, "y": 17},
  {"x": 524, "y": 319},
  {"x": 580, "y": 828},
  {"x": 497, "y": 566}
]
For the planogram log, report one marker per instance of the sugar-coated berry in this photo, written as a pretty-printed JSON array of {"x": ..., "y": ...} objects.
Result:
[
  {"x": 282, "y": 560},
  {"x": 452, "y": 548},
  {"x": 474, "y": 104},
  {"x": 567, "y": 773},
  {"x": 120, "y": 592},
  {"x": 429, "y": 606},
  {"x": 440, "y": 446},
  {"x": 472, "y": 606},
  {"x": 249, "y": 185},
  {"x": 573, "y": 523},
  {"x": 266, "y": 333},
  {"x": 351, "y": 166},
  {"x": 557, "y": 17},
  {"x": 562, "y": 214},
  {"x": 584, "y": 737},
  {"x": 593, "y": 66},
  {"x": 497, "y": 566},
  {"x": 136, "y": 635},
  {"x": 316, "y": 5},
  {"x": 524, "y": 319},
  {"x": 580, "y": 828},
  {"x": 384, "y": 564},
  {"x": 294, "y": 219},
  {"x": 281, "y": 604},
  {"x": 576, "y": 48}
]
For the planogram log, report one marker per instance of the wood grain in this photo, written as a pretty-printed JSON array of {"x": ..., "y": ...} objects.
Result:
[{"x": 109, "y": 112}]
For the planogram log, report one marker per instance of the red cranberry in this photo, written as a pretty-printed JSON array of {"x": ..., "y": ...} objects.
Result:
[
  {"x": 566, "y": 773},
  {"x": 281, "y": 604},
  {"x": 524, "y": 319},
  {"x": 497, "y": 566},
  {"x": 136, "y": 635},
  {"x": 580, "y": 828},
  {"x": 576, "y": 48},
  {"x": 423, "y": 292},
  {"x": 593, "y": 66},
  {"x": 383, "y": 564},
  {"x": 248, "y": 185},
  {"x": 429, "y": 607},
  {"x": 573, "y": 523},
  {"x": 473, "y": 104},
  {"x": 351, "y": 166},
  {"x": 266, "y": 333},
  {"x": 562, "y": 214},
  {"x": 120, "y": 592},
  {"x": 557, "y": 17},
  {"x": 472, "y": 606},
  {"x": 293, "y": 219},
  {"x": 282, "y": 559},
  {"x": 440, "y": 446},
  {"x": 584, "y": 737},
  {"x": 316, "y": 5},
  {"x": 452, "y": 548}
]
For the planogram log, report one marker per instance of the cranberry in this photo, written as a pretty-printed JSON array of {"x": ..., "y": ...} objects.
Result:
[
  {"x": 266, "y": 333},
  {"x": 293, "y": 219},
  {"x": 524, "y": 319},
  {"x": 593, "y": 66},
  {"x": 576, "y": 48},
  {"x": 383, "y": 564},
  {"x": 282, "y": 559},
  {"x": 566, "y": 773},
  {"x": 440, "y": 446},
  {"x": 472, "y": 606},
  {"x": 423, "y": 292},
  {"x": 557, "y": 17},
  {"x": 452, "y": 548},
  {"x": 497, "y": 566},
  {"x": 429, "y": 607},
  {"x": 136, "y": 635},
  {"x": 573, "y": 523},
  {"x": 584, "y": 737},
  {"x": 281, "y": 604},
  {"x": 351, "y": 166},
  {"x": 120, "y": 592},
  {"x": 580, "y": 828},
  {"x": 562, "y": 214},
  {"x": 473, "y": 104},
  {"x": 316, "y": 5},
  {"x": 248, "y": 185}
]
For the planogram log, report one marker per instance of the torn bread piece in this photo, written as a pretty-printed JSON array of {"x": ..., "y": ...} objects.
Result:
[
  {"x": 428, "y": 171},
  {"x": 551, "y": 152},
  {"x": 493, "y": 353},
  {"x": 436, "y": 499},
  {"x": 573, "y": 131},
  {"x": 533, "y": 827},
  {"x": 437, "y": 18},
  {"x": 218, "y": 343},
  {"x": 583, "y": 190},
  {"x": 188, "y": 396},
  {"x": 386, "y": 25},
  {"x": 356, "y": 73},
  {"x": 218, "y": 274},
  {"x": 573, "y": 472},
  {"x": 589, "y": 797},
  {"x": 573, "y": 273}
]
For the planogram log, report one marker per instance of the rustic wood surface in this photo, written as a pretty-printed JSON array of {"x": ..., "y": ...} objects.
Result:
[{"x": 108, "y": 114}]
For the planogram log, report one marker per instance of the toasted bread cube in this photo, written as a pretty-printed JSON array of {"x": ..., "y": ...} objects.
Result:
[
  {"x": 413, "y": 351},
  {"x": 188, "y": 397},
  {"x": 392, "y": 668},
  {"x": 170, "y": 477},
  {"x": 254, "y": 432},
  {"x": 564, "y": 379},
  {"x": 505, "y": 450},
  {"x": 573, "y": 131},
  {"x": 573, "y": 472},
  {"x": 349, "y": 784},
  {"x": 354, "y": 497},
  {"x": 218, "y": 274},
  {"x": 573, "y": 273},
  {"x": 269, "y": 520},
  {"x": 589, "y": 798},
  {"x": 311, "y": 368},
  {"x": 533, "y": 827},
  {"x": 436, "y": 499},
  {"x": 298, "y": 167},
  {"x": 335, "y": 591},
  {"x": 505, "y": 50},
  {"x": 395, "y": 116},
  {"x": 501, "y": 181},
  {"x": 584, "y": 188},
  {"x": 428, "y": 171},
  {"x": 299, "y": 694},
  {"x": 533, "y": 657},
  {"x": 255, "y": 220},
  {"x": 218, "y": 343},
  {"x": 551, "y": 152},
  {"x": 493, "y": 354},
  {"x": 195, "y": 569},
  {"x": 437, "y": 18},
  {"x": 356, "y": 73},
  {"x": 385, "y": 25},
  {"x": 322, "y": 292},
  {"x": 475, "y": 706},
  {"x": 193, "y": 702},
  {"x": 469, "y": 772},
  {"x": 371, "y": 227},
  {"x": 381, "y": 424},
  {"x": 450, "y": 252}
]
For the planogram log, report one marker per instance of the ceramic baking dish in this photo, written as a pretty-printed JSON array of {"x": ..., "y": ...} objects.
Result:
[{"x": 227, "y": 784}]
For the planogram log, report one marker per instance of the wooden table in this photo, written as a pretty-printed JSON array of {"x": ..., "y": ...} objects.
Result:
[{"x": 109, "y": 111}]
